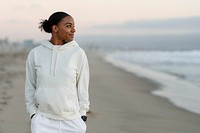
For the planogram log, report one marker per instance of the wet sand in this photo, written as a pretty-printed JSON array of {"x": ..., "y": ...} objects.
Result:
[{"x": 120, "y": 101}]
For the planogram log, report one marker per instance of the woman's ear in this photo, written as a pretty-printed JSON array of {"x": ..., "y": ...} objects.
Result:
[{"x": 55, "y": 28}]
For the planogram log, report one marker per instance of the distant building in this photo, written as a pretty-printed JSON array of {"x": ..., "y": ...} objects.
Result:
[
  {"x": 4, "y": 43},
  {"x": 29, "y": 44}
]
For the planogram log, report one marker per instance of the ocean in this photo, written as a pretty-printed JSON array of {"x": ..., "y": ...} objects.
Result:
[
  {"x": 171, "y": 61},
  {"x": 178, "y": 73}
]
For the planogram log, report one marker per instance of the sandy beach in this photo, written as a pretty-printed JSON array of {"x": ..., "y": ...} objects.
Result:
[
  {"x": 13, "y": 116},
  {"x": 120, "y": 101}
]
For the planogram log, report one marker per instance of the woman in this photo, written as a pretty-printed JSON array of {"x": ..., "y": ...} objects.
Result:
[{"x": 57, "y": 79}]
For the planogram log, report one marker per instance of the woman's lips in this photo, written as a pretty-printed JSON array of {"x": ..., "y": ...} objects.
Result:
[{"x": 71, "y": 35}]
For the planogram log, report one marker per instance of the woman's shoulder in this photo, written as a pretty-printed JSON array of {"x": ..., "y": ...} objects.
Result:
[
  {"x": 79, "y": 48},
  {"x": 35, "y": 50}
]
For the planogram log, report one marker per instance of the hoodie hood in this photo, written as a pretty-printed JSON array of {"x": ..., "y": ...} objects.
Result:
[
  {"x": 67, "y": 45},
  {"x": 56, "y": 49}
]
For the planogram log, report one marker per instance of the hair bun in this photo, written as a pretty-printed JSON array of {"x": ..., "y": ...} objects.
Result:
[
  {"x": 54, "y": 19},
  {"x": 45, "y": 25}
]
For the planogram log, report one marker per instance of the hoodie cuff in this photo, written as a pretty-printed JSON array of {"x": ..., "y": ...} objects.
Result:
[{"x": 83, "y": 112}]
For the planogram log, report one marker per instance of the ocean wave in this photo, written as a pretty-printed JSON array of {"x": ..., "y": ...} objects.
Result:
[{"x": 178, "y": 72}]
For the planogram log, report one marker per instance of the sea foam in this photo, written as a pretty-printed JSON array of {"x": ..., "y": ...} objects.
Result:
[{"x": 179, "y": 91}]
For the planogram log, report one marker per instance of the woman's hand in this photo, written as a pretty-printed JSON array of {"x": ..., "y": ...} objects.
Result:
[
  {"x": 32, "y": 116},
  {"x": 84, "y": 118}
]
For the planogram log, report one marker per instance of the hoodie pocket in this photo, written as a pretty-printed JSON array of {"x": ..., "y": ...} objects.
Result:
[{"x": 54, "y": 100}]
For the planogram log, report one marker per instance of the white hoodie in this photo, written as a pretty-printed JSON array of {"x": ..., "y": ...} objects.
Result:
[{"x": 57, "y": 80}]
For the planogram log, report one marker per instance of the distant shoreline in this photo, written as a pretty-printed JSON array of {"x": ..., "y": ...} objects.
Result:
[{"x": 169, "y": 85}]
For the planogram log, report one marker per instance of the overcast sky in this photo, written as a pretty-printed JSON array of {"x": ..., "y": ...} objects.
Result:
[{"x": 20, "y": 18}]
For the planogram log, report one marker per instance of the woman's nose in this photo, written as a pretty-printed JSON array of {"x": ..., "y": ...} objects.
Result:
[{"x": 73, "y": 29}]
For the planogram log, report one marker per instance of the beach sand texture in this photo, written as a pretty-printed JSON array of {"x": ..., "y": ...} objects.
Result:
[
  {"x": 120, "y": 101},
  {"x": 13, "y": 116}
]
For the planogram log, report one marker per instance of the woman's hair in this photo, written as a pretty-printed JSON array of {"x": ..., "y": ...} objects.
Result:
[{"x": 54, "y": 19}]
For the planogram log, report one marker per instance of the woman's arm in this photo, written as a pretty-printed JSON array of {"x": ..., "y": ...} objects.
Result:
[
  {"x": 30, "y": 85},
  {"x": 82, "y": 85}
]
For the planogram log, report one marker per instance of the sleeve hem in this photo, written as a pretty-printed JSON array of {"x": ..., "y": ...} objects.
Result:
[{"x": 83, "y": 112}]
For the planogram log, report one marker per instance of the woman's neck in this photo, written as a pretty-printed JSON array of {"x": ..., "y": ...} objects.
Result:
[{"x": 57, "y": 42}]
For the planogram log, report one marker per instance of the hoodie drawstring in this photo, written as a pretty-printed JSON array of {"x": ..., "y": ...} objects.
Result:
[
  {"x": 54, "y": 61},
  {"x": 55, "y": 53},
  {"x": 55, "y": 66}
]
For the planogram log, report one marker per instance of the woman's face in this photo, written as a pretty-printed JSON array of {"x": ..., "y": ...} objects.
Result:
[{"x": 65, "y": 29}]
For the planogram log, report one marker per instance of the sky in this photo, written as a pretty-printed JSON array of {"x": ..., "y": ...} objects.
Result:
[{"x": 20, "y": 18}]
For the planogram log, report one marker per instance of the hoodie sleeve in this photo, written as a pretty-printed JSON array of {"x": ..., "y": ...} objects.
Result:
[
  {"x": 83, "y": 84},
  {"x": 30, "y": 85}
]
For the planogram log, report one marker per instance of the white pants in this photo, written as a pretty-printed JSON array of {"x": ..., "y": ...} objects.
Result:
[{"x": 41, "y": 124}]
